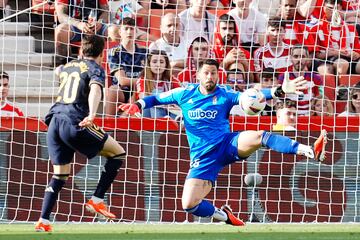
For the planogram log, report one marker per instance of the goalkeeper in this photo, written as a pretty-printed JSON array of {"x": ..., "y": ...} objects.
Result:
[
  {"x": 206, "y": 109},
  {"x": 71, "y": 128}
]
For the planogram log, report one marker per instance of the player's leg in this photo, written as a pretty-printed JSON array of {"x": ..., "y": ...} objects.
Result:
[
  {"x": 115, "y": 155},
  {"x": 195, "y": 190},
  {"x": 60, "y": 155},
  {"x": 58, "y": 180},
  {"x": 250, "y": 141}
]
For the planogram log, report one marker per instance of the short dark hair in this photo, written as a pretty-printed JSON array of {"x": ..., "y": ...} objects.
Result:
[
  {"x": 268, "y": 72},
  {"x": 276, "y": 22},
  {"x": 200, "y": 40},
  {"x": 209, "y": 61},
  {"x": 4, "y": 74},
  {"x": 92, "y": 45},
  {"x": 227, "y": 19},
  {"x": 128, "y": 21}
]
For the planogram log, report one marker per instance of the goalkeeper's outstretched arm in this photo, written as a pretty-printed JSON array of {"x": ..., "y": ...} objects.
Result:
[{"x": 169, "y": 97}]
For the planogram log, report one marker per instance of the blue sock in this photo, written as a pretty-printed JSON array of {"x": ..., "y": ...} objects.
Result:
[
  {"x": 279, "y": 143},
  {"x": 204, "y": 209},
  {"x": 51, "y": 194}
]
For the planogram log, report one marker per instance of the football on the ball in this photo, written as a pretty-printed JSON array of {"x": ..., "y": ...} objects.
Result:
[{"x": 252, "y": 101}]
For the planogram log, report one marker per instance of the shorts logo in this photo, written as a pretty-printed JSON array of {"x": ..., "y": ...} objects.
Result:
[{"x": 201, "y": 114}]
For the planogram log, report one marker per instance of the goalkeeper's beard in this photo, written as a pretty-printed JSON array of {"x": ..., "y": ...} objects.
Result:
[{"x": 209, "y": 86}]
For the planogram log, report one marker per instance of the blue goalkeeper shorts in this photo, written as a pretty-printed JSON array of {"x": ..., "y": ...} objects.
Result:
[
  {"x": 208, "y": 166},
  {"x": 64, "y": 138}
]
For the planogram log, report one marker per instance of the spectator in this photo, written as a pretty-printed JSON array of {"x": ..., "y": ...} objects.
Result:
[
  {"x": 353, "y": 106},
  {"x": 310, "y": 9},
  {"x": 156, "y": 78},
  {"x": 321, "y": 106},
  {"x": 339, "y": 49},
  {"x": 172, "y": 42},
  {"x": 286, "y": 117},
  {"x": 301, "y": 61},
  {"x": 296, "y": 31},
  {"x": 138, "y": 10},
  {"x": 7, "y": 109},
  {"x": 74, "y": 21},
  {"x": 275, "y": 53},
  {"x": 227, "y": 48},
  {"x": 351, "y": 11},
  {"x": 199, "y": 50},
  {"x": 197, "y": 21},
  {"x": 179, "y": 5},
  {"x": 236, "y": 79},
  {"x": 252, "y": 24},
  {"x": 126, "y": 62},
  {"x": 269, "y": 79}
]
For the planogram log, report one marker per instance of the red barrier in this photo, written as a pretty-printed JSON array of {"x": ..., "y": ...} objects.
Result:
[
  {"x": 314, "y": 123},
  {"x": 27, "y": 168}
]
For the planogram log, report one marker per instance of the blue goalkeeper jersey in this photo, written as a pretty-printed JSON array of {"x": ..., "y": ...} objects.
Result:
[{"x": 206, "y": 117}]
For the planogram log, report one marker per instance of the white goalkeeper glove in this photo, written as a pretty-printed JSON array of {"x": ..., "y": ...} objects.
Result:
[{"x": 295, "y": 86}]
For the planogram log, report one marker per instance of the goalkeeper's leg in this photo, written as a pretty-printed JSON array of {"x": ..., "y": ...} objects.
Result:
[
  {"x": 250, "y": 141},
  {"x": 195, "y": 190},
  {"x": 115, "y": 155}
]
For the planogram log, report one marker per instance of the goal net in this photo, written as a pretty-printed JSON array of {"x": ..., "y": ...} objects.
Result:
[{"x": 149, "y": 186}]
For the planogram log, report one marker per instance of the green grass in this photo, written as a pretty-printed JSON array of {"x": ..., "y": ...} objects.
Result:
[{"x": 182, "y": 231}]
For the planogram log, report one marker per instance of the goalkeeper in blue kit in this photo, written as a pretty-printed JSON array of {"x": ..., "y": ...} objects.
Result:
[{"x": 206, "y": 107}]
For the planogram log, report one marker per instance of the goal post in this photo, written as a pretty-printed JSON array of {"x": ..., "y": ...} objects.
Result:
[{"x": 149, "y": 186}]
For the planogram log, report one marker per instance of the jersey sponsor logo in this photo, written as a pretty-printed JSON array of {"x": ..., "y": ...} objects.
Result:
[{"x": 201, "y": 114}]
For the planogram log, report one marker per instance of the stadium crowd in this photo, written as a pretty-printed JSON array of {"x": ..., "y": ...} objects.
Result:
[{"x": 154, "y": 46}]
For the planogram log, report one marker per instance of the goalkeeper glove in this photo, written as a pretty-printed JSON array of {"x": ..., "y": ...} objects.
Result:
[
  {"x": 131, "y": 108},
  {"x": 295, "y": 86}
]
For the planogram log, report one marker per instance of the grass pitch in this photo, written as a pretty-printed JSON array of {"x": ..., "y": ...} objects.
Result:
[{"x": 182, "y": 231}]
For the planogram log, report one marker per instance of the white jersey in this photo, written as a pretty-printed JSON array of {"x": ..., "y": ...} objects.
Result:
[
  {"x": 193, "y": 28},
  {"x": 250, "y": 27},
  {"x": 175, "y": 53}
]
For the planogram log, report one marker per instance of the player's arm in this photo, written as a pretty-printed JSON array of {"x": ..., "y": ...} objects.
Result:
[
  {"x": 94, "y": 100},
  {"x": 169, "y": 97}
]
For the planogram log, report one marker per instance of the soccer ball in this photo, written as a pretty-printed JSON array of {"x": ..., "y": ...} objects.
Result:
[{"x": 252, "y": 101}]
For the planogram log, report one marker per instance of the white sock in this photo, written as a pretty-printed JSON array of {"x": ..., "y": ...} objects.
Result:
[
  {"x": 45, "y": 221},
  {"x": 96, "y": 199},
  {"x": 220, "y": 215},
  {"x": 305, "y": 150}
]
